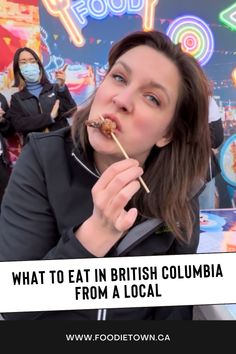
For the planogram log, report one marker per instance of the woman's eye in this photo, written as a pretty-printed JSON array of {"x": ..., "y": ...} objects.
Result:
[
  {"x": 153, "y": 100},
  {"x": 118, "y": 78}
]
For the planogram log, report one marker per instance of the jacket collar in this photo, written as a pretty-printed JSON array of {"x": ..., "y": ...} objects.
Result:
[
  {"x": 85, "y": 165},
  {"x": 25, "y": 94},
  {"x": 89, "y": 166}
]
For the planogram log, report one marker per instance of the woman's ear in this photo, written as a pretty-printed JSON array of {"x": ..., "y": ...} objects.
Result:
[{"x": 163, "y": 141}]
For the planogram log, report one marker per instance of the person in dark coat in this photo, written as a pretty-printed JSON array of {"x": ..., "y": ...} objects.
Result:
[
  {"x": 39, "y": 105},
  {"x": 207, "y": 199},
  {"x": 5, "y": 131},
  {"x": 80, "y": 196}
]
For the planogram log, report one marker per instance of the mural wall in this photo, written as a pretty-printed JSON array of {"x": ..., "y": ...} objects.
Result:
[
  {"x": 80, "y": 33},
  {"x": 19, "y": 27}
]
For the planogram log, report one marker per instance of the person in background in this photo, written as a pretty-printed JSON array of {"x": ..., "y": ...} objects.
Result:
[
  {"x": 5, "y": 131},
  {"x": 82, "y": 199},
  {"x": 39, "y": 105},
  {"x": 207, "y": 199}
]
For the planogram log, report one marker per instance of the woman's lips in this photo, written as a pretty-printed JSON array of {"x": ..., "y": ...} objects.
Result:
[{"x": 114, "y": 119}]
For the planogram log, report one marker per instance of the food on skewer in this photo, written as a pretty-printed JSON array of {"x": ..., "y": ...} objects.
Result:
[
  {"x": 93, "y": 123},
  {"x": 107, "y": 126}
]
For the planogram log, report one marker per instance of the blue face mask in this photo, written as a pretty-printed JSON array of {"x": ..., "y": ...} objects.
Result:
[{"x": 30, "y": 72}]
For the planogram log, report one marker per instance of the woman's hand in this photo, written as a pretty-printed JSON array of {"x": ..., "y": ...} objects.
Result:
[
  {"x": 60, "y": 76},
  {"x": 55, "y": 108},
  {"x": 110, "y": 220}
]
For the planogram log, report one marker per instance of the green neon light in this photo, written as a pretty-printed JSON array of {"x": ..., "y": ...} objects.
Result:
[{"x": 225, "y": 17}]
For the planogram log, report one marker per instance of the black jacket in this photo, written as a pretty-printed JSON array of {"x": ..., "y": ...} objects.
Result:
[
  {"x": 4, "y": 103},
  {"x": 5, "y": 131},
  {"x": 28, "y": 113},
  {"x": 57, "y": 204},
  {"x": 217, "y": 138},
  {"x": 5, "y": 127}
]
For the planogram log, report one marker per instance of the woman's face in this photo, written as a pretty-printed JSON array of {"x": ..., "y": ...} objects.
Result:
[
  {"x": 140, "y": 94},
  {"x": 29, "y": 67},
  {"x": 26, "y": 57}
]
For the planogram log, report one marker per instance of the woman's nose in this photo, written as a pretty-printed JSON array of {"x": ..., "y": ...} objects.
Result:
[{"x": 123, "y": 101}]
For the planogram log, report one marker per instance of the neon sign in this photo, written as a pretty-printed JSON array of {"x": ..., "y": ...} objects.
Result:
[
  {"x": 74, "y": 15},
  {"x": 194, "y": 35},
  {"x": 149, "y": 15},
  {"x": 60, "y": 8},
  {"x": 228, "y": 17}
]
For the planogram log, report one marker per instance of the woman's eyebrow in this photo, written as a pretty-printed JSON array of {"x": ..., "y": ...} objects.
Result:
[
  {"x": 152, "y": 83},
  {"x": 160, "y": 87},
  {"x": 126, "y": 67}
]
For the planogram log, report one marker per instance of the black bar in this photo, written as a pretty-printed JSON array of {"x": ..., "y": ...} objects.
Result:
[{"x": 50, "y": 336}]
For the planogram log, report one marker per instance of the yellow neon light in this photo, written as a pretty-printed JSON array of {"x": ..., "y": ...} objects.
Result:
[
  {"x": 59, "y": 8},
  {"x": 149, "y": 14}
]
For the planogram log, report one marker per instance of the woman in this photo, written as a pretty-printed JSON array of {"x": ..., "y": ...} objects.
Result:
[
  {"x": 39, "y": 105},
  {"x": 81, "y": 197}
]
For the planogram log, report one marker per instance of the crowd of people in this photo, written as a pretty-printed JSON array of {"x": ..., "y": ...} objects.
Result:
[{"x": 79, "y": 195}]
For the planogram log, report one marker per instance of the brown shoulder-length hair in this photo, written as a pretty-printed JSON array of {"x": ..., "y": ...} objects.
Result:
[
  {"x": 19, "y": 80},
  {"x": 171, "y": 172}
]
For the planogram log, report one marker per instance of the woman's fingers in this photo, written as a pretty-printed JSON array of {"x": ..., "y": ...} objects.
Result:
[
  {"x": 56, "y": 106},
  {"x": 116, "y": 189},
  {"x": 113, "y": 191},
  {"x": 64, "y": 67},
  {"x": 60, "y": 75},
  {"x": 54, "y": 111},
  {"x": 120, "y": 200},
  {"x": 111, "y": 172},
  {"x": 111, "y": 186}
]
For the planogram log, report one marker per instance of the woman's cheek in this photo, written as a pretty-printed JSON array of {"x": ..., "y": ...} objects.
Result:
[{"x": 142, "y": 126}]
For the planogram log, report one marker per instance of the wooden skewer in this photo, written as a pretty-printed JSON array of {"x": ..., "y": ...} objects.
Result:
[{"x": 126, "y": 156}]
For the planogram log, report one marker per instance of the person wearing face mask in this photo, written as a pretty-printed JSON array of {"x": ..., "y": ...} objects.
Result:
[
  {"x": 38, "y": 105},
  {"x": 78, "y": 197}
]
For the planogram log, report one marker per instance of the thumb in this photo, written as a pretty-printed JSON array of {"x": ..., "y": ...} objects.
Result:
[{"x": 126, "y": 219}]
